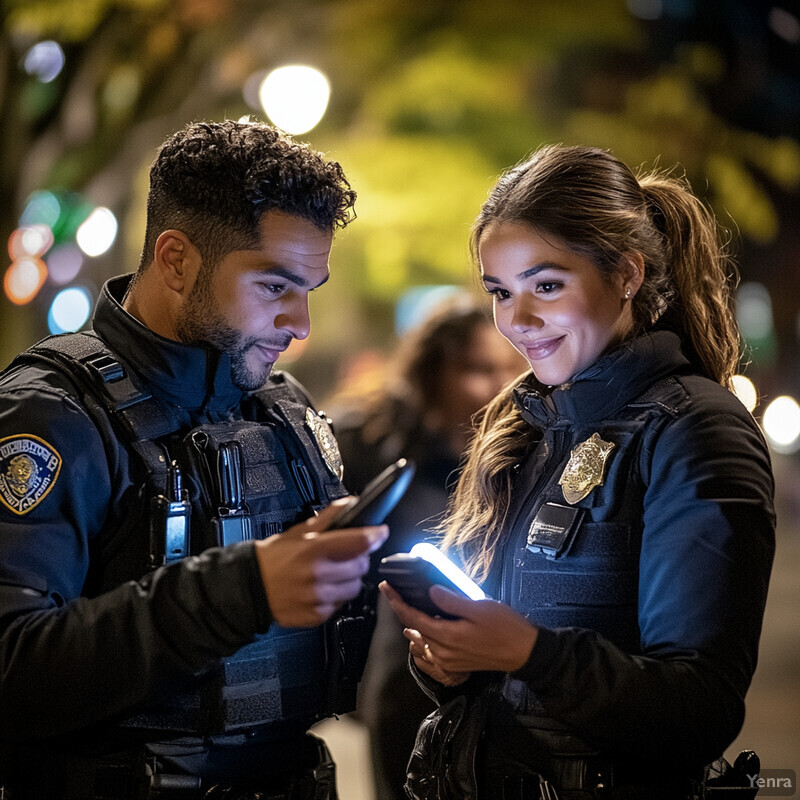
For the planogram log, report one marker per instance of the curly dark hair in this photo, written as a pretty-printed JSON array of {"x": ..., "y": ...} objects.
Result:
[{"x": 215, "y": 180}]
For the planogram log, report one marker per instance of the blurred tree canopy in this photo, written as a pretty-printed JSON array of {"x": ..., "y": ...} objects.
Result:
[{"x": 431, "y": 99}]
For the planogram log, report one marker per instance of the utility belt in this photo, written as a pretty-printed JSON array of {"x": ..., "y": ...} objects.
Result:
[
  {"x": 573, "y": 770},
  {"x": 596, "y": 779},
  {"x": 130, "y": 775},
  {"x": 585, "y": 779},
  {"x": 476, "y": 748}
]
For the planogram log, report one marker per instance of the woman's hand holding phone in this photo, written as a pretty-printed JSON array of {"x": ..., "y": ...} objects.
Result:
[{"x": 485, "y": 635}]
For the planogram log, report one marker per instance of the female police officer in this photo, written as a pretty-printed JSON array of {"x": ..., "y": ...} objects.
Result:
[{"x": 617, "y": 502}]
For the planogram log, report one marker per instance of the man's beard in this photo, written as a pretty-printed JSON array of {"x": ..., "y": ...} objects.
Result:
[{"x": 200, "y": 323}]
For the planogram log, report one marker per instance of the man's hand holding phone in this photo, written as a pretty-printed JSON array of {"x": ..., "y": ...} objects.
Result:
[
  {"x": 310, "y": 570},
  {"x": 379, "y": 497}
]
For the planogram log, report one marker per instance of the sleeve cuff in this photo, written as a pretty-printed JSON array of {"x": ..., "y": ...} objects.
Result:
[{"x": 540, "y": 662}]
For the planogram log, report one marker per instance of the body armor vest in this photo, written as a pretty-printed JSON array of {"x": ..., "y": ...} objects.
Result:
[
  {"x": 214, "y": 485},
  {"x": 575, "y": 562}
]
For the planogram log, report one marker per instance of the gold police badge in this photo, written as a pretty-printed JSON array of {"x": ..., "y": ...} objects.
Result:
[
  {"x": 29, "y": 468},
  {"x": 328, "y": 447},
  {"x": 585, "y": 468}
]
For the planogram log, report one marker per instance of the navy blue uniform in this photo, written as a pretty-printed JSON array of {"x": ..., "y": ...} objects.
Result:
[
  {"x": 92, "y": 644},
  {"x": 640, "y": 542}
]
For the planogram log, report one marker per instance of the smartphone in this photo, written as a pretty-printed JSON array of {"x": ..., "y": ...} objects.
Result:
[
  {"x": 412, "y": 575},
  {"x": 379, "y": 497}
]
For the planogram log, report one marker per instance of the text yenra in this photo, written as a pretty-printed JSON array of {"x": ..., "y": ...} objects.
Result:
[{"x": 769, "y": 783}]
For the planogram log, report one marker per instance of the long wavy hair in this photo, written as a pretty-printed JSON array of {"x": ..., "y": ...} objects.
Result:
[{"x": 594, "y": 205}]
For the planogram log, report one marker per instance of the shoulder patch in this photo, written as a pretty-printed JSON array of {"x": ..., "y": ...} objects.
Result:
[{"x": 29, "y": 468}]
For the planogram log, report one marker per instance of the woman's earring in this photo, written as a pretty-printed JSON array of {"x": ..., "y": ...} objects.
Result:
[{"x": 628, "y": 293}]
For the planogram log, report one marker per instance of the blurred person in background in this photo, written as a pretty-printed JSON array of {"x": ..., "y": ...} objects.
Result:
[
  {"x": 443, "y": 371},
  {"x": 616, "y": 504}
]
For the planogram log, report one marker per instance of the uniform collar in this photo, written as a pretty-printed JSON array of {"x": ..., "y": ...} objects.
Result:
[
  {"x": 596, "y": 393},
  {"x": 195, "y": 378}
]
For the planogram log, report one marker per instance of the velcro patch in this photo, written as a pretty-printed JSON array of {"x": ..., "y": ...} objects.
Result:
[{"x": 29, "y": 468}]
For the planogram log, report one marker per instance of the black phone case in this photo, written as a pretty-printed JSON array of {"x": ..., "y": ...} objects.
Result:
[
  {"x": 412, "y": 577},
  {"x": 379, "y": 497}
]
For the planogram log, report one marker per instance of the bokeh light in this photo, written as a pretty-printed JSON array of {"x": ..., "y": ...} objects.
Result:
[
  {"x": 42, "y": 208},
  {"x": 69, "y": 310},
  {"x": 44, "y": 61},
  {"x": 23, "y": 279},
  {"x": 295, "y": 97},
  {"x": 782, "y": 424},
  {"x": 29, "y": 241},
  {"x": 416, "y": 303},
  {"x": 98, "y": 232},
  {"x": 756, "y": 322},
  {"x": 64, "y": 262},
  {"x": 56, "y": 231},
  {"x": 744, "y": 389},
  {"x": 754, "y": 311},
  {"x": 784, "y": 24},
  {"x": 62, "y": 212}
]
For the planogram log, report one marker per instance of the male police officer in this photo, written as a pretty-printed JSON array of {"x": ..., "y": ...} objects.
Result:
[{"x": 156, "y": 638}]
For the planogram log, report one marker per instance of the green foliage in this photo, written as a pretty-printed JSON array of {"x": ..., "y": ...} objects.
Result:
[
  {"x": 416, "y": 198},
  {"x": 431, "y": 100},
  {"x": 67, "y": 20}
]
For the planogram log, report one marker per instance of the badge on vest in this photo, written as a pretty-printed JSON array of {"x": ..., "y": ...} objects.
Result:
[
  {"x": 29, "y": 468},
  {"x": 585, "y": 469},
  {"x": 328, "y": 446}
]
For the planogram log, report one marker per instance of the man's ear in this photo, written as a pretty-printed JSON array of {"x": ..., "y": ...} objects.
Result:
[
  {"x": 631, "y": 273},
  {"x": 177, "y": 260}
]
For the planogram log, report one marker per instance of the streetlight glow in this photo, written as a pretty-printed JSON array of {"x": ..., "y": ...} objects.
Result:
[
  {"x": 294, "y": 97},
  {"x": 744, "y": 389},
  {"x": 782, "y": 424},
  {"x": 98, "y": 232}
]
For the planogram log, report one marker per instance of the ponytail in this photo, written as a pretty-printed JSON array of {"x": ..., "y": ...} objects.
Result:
[
  {"x": 701, "y": 273},
  {"x": 593, "y": 203}
]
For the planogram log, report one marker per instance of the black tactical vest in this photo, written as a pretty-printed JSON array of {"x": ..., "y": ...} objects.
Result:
[
  {"x": 574, "y": 561},
  {"x": 214, "y": 485}
]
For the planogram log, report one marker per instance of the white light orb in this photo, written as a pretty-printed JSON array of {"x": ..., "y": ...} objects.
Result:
[
  {"x": 30, "y": 241},
  {"x": 44, "y": 60},
  {"x": 69, "y": 310},
  {"x": 295, "y": 97},
  {"x": 745, "y": 390},
  {"x": 782, "y": 424},
  {"x": 98, "y": 232}
]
